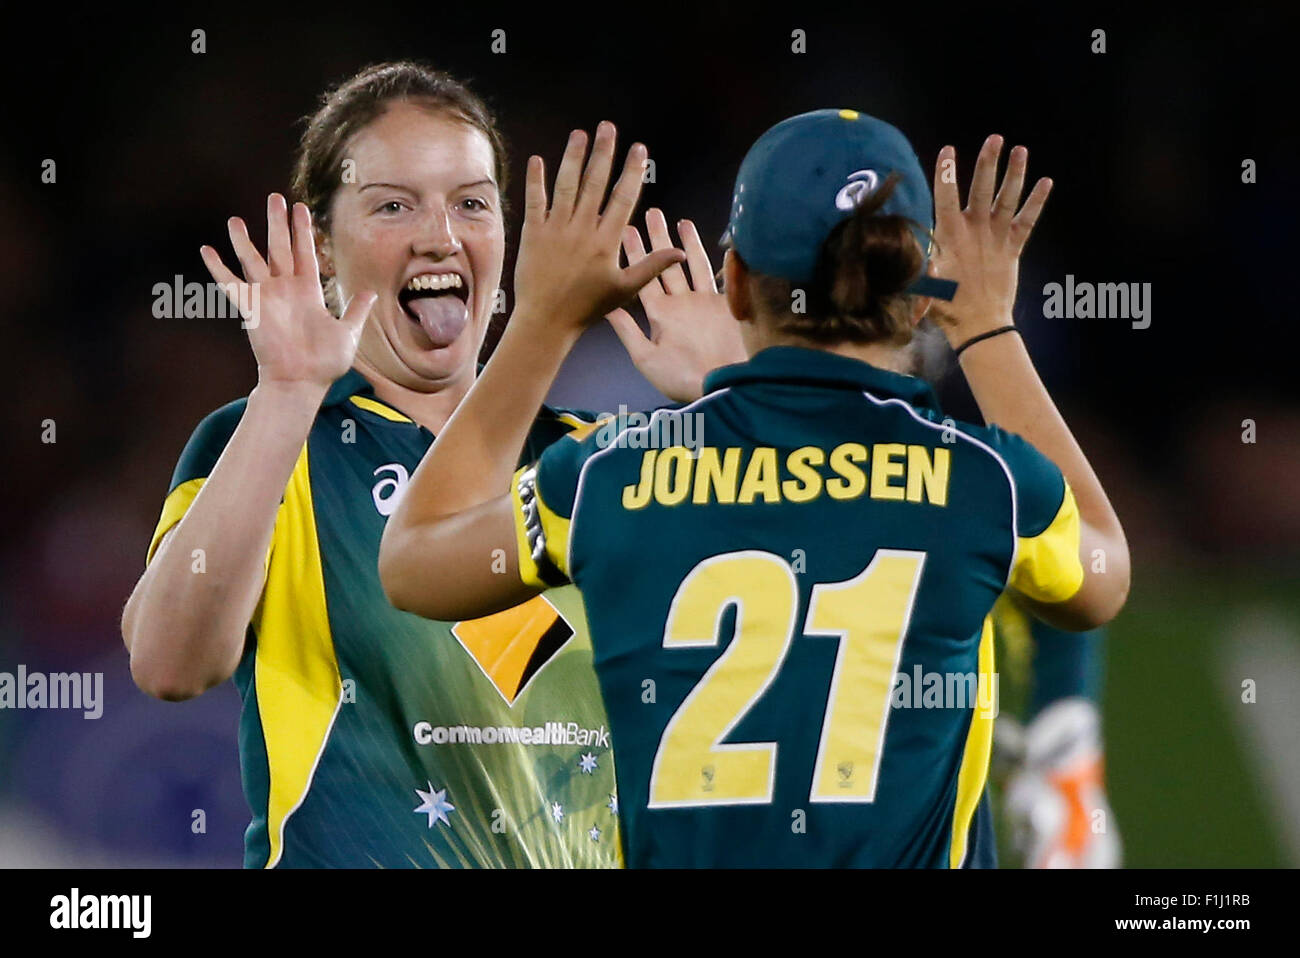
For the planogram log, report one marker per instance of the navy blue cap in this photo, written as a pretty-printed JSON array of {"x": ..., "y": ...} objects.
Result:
[{"x": 806, "y": 175}]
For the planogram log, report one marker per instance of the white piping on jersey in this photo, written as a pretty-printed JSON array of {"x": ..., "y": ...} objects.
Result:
[
  {"x": 582, "y": 473},
  {"x": 1011, "y": 482}
]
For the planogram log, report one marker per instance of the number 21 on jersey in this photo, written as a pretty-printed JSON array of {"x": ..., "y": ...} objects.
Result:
[{"x": 868, "y": 614}]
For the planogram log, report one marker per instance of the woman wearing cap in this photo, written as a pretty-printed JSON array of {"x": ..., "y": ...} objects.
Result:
[
  {"x": 790, "y": 622},
  {"x": 369, "y": 737}
]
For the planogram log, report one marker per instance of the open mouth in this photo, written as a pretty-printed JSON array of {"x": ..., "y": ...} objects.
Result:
[{"x": 438, "y": 303}]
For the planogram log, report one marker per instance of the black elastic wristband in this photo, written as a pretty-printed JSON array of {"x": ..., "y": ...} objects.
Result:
[{"x": 989, "y": 335}]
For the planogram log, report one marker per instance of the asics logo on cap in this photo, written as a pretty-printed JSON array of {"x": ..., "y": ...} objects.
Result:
[{"x": 861, "y": 184}]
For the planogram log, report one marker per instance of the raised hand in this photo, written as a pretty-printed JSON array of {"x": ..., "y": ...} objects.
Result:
[
  {"x": 568, "y": 273},
  {"x": 295, "y": 338},
  {"x": 691, "y": 329},
  {"x": 980, "y": 246}
]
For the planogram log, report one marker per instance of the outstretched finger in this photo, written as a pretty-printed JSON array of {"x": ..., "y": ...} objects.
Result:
[
  {"x": 596, "y": 177},
  {"x": 255, "y": 268},
  {"x": 220, "y": 272},
  {"x": 634, "y": 250},
  {"x": 639, "y": 274},
  {"x": 1024, "y": 222},
  {"x": 674, "y": 278},
  {"x": 986, "y": 173},
  {"x": 304, "y": 244},
  {"x": 1013, "y": 184},
  {"x": 697, "y": 257},
  {"x": 569, "y": 176},
  {"x": 279, "y": 250},
  {"x": 626, "y": 191},
  {"x": 947, "y": 197},
  {"x": 629, "y": 333},
  {"x": 535, "y": 191}
]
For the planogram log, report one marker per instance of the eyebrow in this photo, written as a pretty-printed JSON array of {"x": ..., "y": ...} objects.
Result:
[{"x": 407, "y": 189}]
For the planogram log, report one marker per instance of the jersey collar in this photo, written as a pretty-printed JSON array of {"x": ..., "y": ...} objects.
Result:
[
  {"x": 350, "y": 384},
  {"x": 796, "y": 364}
]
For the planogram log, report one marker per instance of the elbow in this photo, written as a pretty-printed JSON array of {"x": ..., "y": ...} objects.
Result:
[
  {"x": 159, "y": 678},
  {"x": 1119, "y": 579},
  {"x": 160, "y": 684},
  {"x": 425, "y": 588},
  {"x": 1115, "y": 600},
  {"x": 1110, "y": 598},
  {"x": 398, "y": 586}
]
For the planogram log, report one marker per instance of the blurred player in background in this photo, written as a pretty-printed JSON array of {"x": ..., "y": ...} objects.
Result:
[
  {"x": 369, "y": 737},
  {"x": 1048, "y": 756},
  {"x": 785, "y": 746}
]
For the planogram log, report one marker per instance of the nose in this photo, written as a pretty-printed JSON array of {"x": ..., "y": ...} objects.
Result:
[{"x": 436, "y": 236}]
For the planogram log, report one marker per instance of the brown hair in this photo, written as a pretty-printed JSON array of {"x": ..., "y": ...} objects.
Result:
[
  {"x": 858, "y": 290},
  {"x": 349, "y": 107}
]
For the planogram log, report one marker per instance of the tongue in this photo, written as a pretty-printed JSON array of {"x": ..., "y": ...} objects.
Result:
[{"x": 441, "y": 317}]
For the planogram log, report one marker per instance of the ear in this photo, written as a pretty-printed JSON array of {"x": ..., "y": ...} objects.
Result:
[
  {"x": 920, "y": 306},
  {"x": 735, "y": 285}
]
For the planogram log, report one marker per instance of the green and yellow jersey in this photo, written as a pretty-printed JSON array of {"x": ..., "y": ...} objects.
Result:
[
  {"x": 370, "y": 737},
  {"x": 790, "y": 611}
]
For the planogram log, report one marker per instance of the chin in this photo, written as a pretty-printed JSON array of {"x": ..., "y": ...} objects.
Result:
[{"x": 448, "y": 362}]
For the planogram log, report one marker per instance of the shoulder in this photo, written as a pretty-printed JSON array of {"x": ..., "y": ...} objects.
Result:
[
  {"x": 560, "y": 465},
  {"x": 552, "y": 424},
  {"x": 208, "y": 440},
  {"x": 222, "y": 422},
  {"x": 1038, "y": 482}
]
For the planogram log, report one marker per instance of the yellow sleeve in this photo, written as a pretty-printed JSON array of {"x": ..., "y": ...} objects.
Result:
[
  {"x": 1047, "y": 567},
  {"x": 541, "y": 535},
  {"x": 175, "y": 506}
]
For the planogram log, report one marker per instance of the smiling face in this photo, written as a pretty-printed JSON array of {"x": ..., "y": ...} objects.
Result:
[{"x": 422, "y": 226}]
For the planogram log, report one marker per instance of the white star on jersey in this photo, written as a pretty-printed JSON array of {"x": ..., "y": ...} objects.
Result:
[
  {"x": 557, "y": 812},
  {"x": 435, "y": 805},
  {"x": 594, "y": 833},
  {"x": 612, "y": 804},
  {"x": 588, "y": 763}
]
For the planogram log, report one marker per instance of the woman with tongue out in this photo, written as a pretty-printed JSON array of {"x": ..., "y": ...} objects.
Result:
[{"x": 367, "y": 737}]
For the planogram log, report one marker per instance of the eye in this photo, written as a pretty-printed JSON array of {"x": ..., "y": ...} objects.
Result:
[
  {"x": 392, "y": 206},
  {"x": 474, "y": 204}
]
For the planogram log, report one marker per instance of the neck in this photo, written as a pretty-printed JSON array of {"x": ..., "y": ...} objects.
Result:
[
  {"x": 896, "y": 359},
  {"x": 431, "y": 409}
]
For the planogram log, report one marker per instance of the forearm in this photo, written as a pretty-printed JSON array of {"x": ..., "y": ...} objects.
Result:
[
  {"x": 185, "y": 622},
  {"x": 476, "y": 453},
  {"x": 1011, "y": 395},
  {"x": 471, "y": 463}
]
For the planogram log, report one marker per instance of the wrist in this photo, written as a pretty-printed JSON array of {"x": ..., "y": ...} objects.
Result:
[
  {"x": 978, "y": 338},
  {"x": 546, "y": 324},
  {"x": 286, "y": 397},
  {"x": 959, "y": 331}
]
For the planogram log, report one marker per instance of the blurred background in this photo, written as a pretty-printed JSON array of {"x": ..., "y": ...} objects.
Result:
[{"x": 156, "y": 145}]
